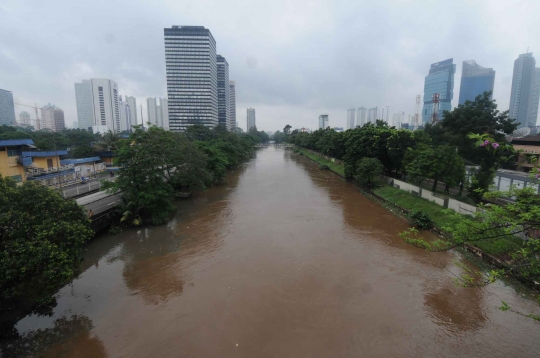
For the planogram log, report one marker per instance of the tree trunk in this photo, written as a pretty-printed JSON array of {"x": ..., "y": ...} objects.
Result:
[
  {"x": 434, "y": 185},
  {"x": 447, "y": 189},
  {"x": 460, "y": 189}
]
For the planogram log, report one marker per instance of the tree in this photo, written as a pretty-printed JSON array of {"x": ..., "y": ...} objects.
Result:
[
  {"x": 368, "y": 169},
  {"x": 41, "y": 244},
  {"x": 83, "y": 152},
  {"x": 143, "y": 176},
  {"x": 287, "y": 129}
]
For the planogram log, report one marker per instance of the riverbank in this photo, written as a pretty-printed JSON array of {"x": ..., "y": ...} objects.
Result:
[{"x": 441, "y": 217}]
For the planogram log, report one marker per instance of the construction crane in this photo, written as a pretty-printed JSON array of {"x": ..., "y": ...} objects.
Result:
[{"x": 35, "y": 107}]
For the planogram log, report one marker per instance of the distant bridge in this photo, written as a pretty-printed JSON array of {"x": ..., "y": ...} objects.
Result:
[{"x": 281, "y": 145}]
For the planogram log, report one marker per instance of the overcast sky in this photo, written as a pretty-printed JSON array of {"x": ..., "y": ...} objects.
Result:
[{"x": 292, "y": 60}]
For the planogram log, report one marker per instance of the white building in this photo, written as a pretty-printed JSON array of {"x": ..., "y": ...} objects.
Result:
[
  {"x": 351, "y": 120},
  {"x": 372, "y": 115},
  {"x": 125, "y": 116},
  {"x": 323, "y": 121},
  {"x": 24, "y": 119},
  {"x": 158, "y": 114},
  {"x": 361, "y": 116},
  {"x": 132, "y": 102},
  {"x": 397, "y": 119},
  {"x": 97, "y": 104},
  {"x": 251, "y": 118}
]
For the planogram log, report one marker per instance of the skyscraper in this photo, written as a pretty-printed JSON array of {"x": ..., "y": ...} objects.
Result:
[
  {"x": 251, "y": 118},
  {"x": 397, "y": 119},
  {"x": 190, "y": 61},
  {"x": 351, "y": 120},
  {"x": 164, "y": 106},
  {"x": 152, "y": 111},
  {"x": 7, "y": 108},
  {"x": 323, "y": 121},
  {"x": 224, "y": 91},
  {"x": 24, "y": 118},
  {"x": 361, "y": 116},
  {"x": 232, "y": 105},
  {"x": 97, "y": 104},
  {"x": 475, "y": 80},
  {"x": 132, "y": 102},
  {"x": 525, "y": 93},
  {"x": 125, "y": 115},
  {"x": 439, "y": 80},
  {"x": 372, "y": 115},
  {"x": 52, "y": 118}
]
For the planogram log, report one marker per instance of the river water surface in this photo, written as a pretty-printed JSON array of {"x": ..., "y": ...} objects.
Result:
[{"x": 282, "y": 260}]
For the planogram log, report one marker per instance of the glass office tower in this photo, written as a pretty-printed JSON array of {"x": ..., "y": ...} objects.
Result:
[
  {"x": 439, "y": 80},
  {"x": 475, "y": 80}
]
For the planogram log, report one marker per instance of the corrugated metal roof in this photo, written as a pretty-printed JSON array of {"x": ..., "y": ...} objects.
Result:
[
  {"x": 14, "y": 142},
  {"x": 45, "y": 153},
  {"x": 49, "y": 176},
  {"x": 79, "y": 161}
]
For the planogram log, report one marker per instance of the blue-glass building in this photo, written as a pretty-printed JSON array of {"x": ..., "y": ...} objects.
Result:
[
  {"x": 439, "y": 80},
  {"x": 475, "y": 80},
  {"x": 7, "y": 108}
]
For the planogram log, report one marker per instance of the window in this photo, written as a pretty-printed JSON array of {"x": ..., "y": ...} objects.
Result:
[
  {"x": 13, "y": 152},
  {"x": 17, "y": 178},
  {"x": 49, "y": 163}
]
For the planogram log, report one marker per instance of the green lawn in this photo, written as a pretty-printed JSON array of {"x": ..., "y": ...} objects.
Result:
[
  {"x": 335, "y": 167},
  {"x": 440, "y": 216}
]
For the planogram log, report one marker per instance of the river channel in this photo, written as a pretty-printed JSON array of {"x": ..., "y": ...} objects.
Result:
[{"x": 282, "y": 260}]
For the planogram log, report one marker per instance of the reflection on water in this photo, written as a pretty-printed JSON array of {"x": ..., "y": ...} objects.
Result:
[
  {"x": 68, "y": 337},
  {"x": 282, "y": 260}
]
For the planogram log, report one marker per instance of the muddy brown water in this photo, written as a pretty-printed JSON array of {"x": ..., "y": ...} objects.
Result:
[{"x": 282, "y": 260}]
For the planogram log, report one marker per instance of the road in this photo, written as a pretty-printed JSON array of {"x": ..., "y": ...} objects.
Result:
[{"x": 104, "y": 204}]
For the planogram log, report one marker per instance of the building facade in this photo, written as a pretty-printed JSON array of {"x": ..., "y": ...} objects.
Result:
[
  {"x": 440, "y": 80},
  {"x": 152, "y": 111},
  {"x": 323, "y": 121},
  {"x": 524, "y": 94},
  {"x": 351, "y": 118},
  {"x": 397, "y": 119},
  {"x": 251, "y": 119},
  {"x": 97, "y": 104},
  {"x": 361, "y": 116},
  {"x": 190, "y": 61},
  {"x": 24, "y": 119},
  {"x": 372, "y": 115},
  {"x": 158, "y": 113},
  {"x": 232, "y": 105},
  {"x": 164, "y": 107},
  {"x": 52, "y": 118},
  {"x": 125, "y": 115},
  {"x": 132, "y": 103},
  {"x": 224, "y": 91},
  {"x": 475, "y": 80},
  {"x": 7, "y": 108}
]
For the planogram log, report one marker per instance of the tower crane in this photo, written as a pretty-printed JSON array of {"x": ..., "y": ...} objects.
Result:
[{"x": 35, "y": 107}]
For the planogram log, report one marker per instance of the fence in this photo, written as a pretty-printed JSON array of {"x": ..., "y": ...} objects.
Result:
[
  {"x": 81, "y": 189},
  {"x": 449, "y": 203}
]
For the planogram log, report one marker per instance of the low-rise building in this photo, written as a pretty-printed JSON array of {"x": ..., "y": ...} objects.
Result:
[
  {"x": 84, "y": 167},
  {"x": 528, "y": 149},
  {"x": 11, "y": 159}
]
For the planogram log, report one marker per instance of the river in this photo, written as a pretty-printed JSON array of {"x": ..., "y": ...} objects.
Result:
[{"x": 282, "y": 260}]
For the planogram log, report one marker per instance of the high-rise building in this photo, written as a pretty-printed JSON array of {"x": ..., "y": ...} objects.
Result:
[
  {"x": 125, "y": 115},
  {"x": 97, "y": 104},
  {"x": 372, "y": 115},
  {"x": 24, "y": 119},
  {"x": 361, "y": 116},
  {"x": 7, "y": 108},
  {"x": 132, "y": 102},
  {"x": 397, "y": 119},
  {"x": 232, "y": 106},
  {"x": 190, "y": 61},
  {"x": 351, "y": 120},
  {"x": 224, "y": 91},
  {"x": 440, "y": 80},
  {"x": 525, "y": 94},
  {"x": 475, "y": 80},
  {"x": 323, "y": 121},
  {"x": 52, "y": 118},
  {"x": 251, "y": 118},
  {"x": 158, "y": 114},
  {"x": 164, "y": 106},
  {"x": 152, "y": 111}
]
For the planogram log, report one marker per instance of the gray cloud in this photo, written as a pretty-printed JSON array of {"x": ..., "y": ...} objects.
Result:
[{"x": 291, "y": 60}]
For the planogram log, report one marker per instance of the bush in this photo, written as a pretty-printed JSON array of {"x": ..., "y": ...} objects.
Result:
[
  {"x": 420, "y": 219},
  {"x": 324, "y": 167}
]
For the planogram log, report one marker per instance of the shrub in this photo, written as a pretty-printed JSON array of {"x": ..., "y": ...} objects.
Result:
[
  {"x": 420, "y": 219},
  {"x": 324, "y": 167}
]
